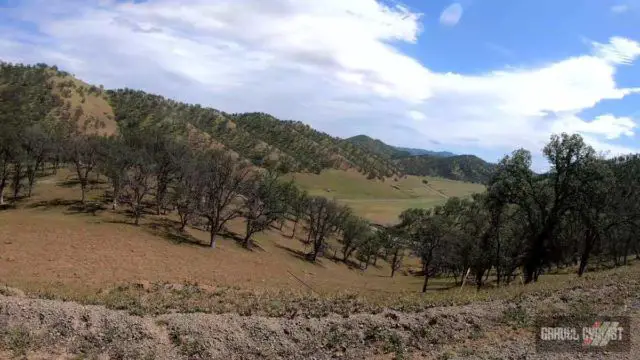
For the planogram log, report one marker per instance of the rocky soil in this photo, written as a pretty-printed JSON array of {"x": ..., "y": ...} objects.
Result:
[{"x": 46, "y": 329}]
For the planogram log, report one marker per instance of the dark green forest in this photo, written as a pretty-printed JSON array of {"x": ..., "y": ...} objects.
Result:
[
  {"x": 584, "y": 213},
  {"x": 468, "y": 168}
]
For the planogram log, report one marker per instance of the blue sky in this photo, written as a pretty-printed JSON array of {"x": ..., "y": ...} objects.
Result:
[{"x": 474, "y": 76}]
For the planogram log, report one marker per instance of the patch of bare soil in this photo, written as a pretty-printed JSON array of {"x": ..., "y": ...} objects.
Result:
[{"x": 46, "y": 329}]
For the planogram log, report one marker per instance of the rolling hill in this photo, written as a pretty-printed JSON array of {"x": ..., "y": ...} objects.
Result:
[
  {"x": 291, "y": 146},
  {"x": 460, "y": 167},
  {"x": 422, "y": 162},
  {"x": 378, "y": 147}
]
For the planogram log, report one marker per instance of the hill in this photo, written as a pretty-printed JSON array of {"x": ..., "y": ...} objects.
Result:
[
  {"x": 460, "y": 167},
  {"x": 414, "y": 151},
  {"x": 377, "y": 146},
  {"x": 267, "y": 141},
  {"x": 421, "y": 162}
]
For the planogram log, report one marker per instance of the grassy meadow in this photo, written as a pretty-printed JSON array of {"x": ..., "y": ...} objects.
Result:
[{"x": 383, "y": 201}]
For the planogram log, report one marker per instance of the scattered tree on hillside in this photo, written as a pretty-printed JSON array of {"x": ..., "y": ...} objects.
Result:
[
  {"x": 82, "y": 151},
  {"x": 324, "y": 217},
  {"x": 264, "y": 203},
  {"x": 139, "y": 182},
  {"x": 355, "y": 232},
  {"x": 188, "y": 188},
  {"x": 115, "y": 161},
  {"x": 224, "y": 181}
]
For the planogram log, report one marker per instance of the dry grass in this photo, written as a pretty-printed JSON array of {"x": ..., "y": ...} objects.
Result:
[
  {"x": 94, "y": 107},
  {"x": 383, "y": 201},
  {"x": 53, "y": 249},
  {"x": 50, "y": 241}
]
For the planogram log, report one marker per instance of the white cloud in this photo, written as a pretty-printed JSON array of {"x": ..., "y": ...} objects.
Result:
[
  {"x": 416, "y": 115},
  {"x": 451, "y": 15},
  {"x": 620, "y": 8},
  {"x": 608, "y": 125},
  {"x": 333, "y": 64},
  {"x": 618, "y": 51}
]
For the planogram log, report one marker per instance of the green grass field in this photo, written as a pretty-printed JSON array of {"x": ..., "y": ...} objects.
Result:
[{"x": 383, "y": 201}]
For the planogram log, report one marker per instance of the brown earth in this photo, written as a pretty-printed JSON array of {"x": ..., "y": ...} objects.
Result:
[{"x": 44, "y": 329}]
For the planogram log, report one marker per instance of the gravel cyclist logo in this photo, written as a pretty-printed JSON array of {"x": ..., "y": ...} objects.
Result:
[
  {"x": 601, "y": 333},
  {"x": 566, "y": 334}
]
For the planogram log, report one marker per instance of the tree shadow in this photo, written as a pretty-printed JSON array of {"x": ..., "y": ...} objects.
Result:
[
  {"x": 48, "y": 204},
  {"x": 169, "y": 230},
  {"x": 228, "y": 234},
  {"x": 9, "y": 206},
  {"x": 70, "y": 183},
  {"x": 352, "y": 264},
  {"x": 299, "y": 255},
  {"x": 87, "y": 208}
]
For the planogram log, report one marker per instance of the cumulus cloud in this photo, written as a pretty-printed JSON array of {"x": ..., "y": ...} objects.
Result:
[
  {"x": 451, "y": 15},
  {"x": 609, "y": 126},
  {"x": 334, "y": 64}
]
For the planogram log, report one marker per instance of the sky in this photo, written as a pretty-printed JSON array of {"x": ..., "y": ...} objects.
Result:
[{"x": 476, "y": 76}]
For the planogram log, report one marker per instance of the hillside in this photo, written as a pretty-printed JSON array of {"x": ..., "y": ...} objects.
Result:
[
  {"x": 460, "y": 167},
  {"x": 421, "y": 162},
  {"x": 377, "y": 146},
  {"x": 290, "y": 146},
  {"x": 265, "y": 140}
]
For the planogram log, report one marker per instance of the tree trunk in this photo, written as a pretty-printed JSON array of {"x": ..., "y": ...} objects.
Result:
[
  {"x": 83, "y": 189},
  {"x": 17, "y": 175},
  {"x": 426, "y": 281},
  {"x": 3, "y": 183},
  {"x": 394, "y": 263},
  {"x": 183, "y": 222},
  {"x": 212, "y": 238},
  {"x": 584, "y": 257},
  {"x": 246, "y": 242},
  {"x": 293, "y": 232}
]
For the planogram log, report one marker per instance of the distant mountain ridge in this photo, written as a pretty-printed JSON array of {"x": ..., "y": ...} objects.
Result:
[
  {"x": 414, "y": 151},
  {"x": 422, "y": 162}
]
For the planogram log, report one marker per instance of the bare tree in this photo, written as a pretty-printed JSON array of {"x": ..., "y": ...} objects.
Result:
[
  {"x": 354, "y": 232},
  {"x": 324, "y": 217},
  {"x": 394, "y": 244},
  {"x": 115, "y": 161},
  {"x": 187, "y": 191},
  {"x": 139, "y": 182},
  {"x": 82, "y": 151},
  {"x": 264, "y": 203},
  {"x": 36, "y": 144},
  {"x": 224, "y": 179}
]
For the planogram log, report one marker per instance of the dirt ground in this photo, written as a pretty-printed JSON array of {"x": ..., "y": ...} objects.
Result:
[
  {"x": 44, "y": 329},
  {"x": 142, "y": 292},
  {"x": 47, "y": 242}
]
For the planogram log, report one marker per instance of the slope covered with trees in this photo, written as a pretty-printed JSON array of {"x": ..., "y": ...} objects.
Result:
[
  {"x": 378, "y": 147},
  {"x": 428, "y": 163},
  {"x": 460, "y": 167},
  {"x": 261, "y": 138}
]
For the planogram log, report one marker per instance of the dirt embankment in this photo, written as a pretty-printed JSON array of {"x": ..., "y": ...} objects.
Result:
[{"x": 45, "y": 329}]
